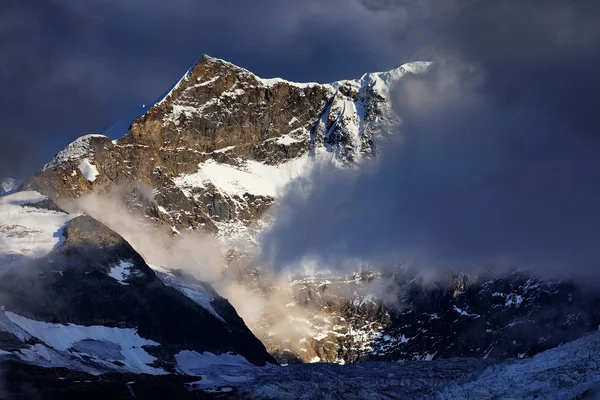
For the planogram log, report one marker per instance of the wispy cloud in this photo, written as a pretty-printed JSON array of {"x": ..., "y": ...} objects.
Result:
[{"x": 495, "y": 164}]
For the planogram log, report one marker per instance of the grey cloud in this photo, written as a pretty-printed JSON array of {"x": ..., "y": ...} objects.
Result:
[{"x": 496, "y": 163}]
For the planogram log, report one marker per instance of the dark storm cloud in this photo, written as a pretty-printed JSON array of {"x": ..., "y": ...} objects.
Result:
[
  {"x": 74, "y": 67},
  {"x": 497, "y": 162}
]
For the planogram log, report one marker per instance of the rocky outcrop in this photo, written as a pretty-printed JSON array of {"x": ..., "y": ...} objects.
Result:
[
  {"x": 374, "y": 317},
  {"x": 221, "y": 114}
]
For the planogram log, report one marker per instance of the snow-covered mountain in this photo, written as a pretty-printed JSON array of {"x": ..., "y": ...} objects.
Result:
[
  {"x": 218, "y": 150},
  {"x": 221, "y": 146}
]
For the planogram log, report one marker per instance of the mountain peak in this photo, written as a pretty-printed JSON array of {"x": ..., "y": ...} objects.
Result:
[
  {"x": 8, "y": 185},
  {"x": 222, "y": 116}
]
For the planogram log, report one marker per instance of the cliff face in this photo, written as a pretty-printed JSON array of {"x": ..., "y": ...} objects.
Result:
[{"x": 221, "y": 145}]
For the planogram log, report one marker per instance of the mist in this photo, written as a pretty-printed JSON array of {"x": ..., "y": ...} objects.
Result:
[
  {"x": 495, "y": 165},
  {"x": 205, "y": 258},
  {"x": 199, "y": 254}
]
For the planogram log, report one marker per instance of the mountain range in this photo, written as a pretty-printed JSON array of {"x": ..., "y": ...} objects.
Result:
[{"x": 207, "y": 163}]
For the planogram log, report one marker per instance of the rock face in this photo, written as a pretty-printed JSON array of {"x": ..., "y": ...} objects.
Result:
[
  {"x": 389, "y": 317},
  {"x": 93, "y": 304},
  {"x": 214, "y": 155},
  {"x": 222, "y": 143}
]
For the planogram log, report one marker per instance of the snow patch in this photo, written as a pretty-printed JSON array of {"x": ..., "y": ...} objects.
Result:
[
  {"x": 208, "y": 82},
  {"x": 234, "y": 93},
  {"x": 125, "y": 343},
  {"x": 121, "y": 272},
  {"x": 88, "y": 170},
  {"x": 286, "y": 140},
  {"x": 269, "y": 82},
  {"x": 162, "y": 210},
  {"x": 28, "y": 232},
  {"x": 224, "y": 149},
  {"x": 193, "y": 363},
  {"x": 254, "y": 177},
  {"x": 464, "y": 313},
  {"x": 404, "y": 339},
  {"x": 513, "y": 300}
]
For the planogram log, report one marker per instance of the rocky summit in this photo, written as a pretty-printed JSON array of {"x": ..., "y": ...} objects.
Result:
[{"x": 213, "y": 156}]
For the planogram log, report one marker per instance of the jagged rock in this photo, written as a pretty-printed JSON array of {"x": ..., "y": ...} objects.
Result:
[{"x": 489, "y": 317}]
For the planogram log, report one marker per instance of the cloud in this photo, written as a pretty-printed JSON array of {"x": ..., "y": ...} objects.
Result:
[
  {"x": 197, "y": 253},
  {"x": 71, "y": 68},
  {"x": 495, "y": 164},
  {"x": 204, "y": 258}
]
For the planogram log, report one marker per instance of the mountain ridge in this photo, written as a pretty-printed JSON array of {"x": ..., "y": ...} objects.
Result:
[{"x": 222, "y": 112}]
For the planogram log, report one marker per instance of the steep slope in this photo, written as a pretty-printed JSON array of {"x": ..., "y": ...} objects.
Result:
[{"x": 84, "y": 299}]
